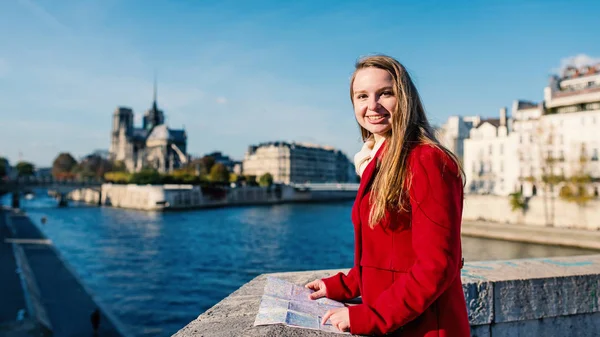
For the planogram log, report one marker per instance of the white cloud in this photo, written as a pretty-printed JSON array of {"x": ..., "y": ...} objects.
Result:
[
  {"x": 221, "y": 100},
  {"x": 577, "y": 61}
]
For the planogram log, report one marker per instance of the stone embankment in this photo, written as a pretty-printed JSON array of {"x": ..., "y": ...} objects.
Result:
[
  {"x": 170, "y": 197},
  {"x": 528, "y": 297},
  {"x": 40, "y": 294},
  {"x": 566, "y": 237},
  {"x": 540, "y": 212}
]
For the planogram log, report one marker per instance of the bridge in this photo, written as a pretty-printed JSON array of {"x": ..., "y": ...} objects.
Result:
[{"x": 59, "y": 188}]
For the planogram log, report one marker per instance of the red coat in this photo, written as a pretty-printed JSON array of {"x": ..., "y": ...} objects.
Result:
[{"x": 407, "y": 268}]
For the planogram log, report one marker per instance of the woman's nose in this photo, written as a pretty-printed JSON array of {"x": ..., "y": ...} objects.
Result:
[{"x": 373, "y": 103}]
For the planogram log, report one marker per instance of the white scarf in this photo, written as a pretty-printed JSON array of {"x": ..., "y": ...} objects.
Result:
[{"x": 363, "y": 157}]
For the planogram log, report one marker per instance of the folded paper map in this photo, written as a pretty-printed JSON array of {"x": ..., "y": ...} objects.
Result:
[{"x": 286, "y": 303}]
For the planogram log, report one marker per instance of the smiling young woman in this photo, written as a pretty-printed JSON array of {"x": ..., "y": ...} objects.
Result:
[{"x": 406, "y": 217}]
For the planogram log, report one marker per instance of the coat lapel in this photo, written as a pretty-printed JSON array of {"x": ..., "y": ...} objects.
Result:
[
  {"x": 368, "y": 174},
  {"x": 365, "y": 183}
]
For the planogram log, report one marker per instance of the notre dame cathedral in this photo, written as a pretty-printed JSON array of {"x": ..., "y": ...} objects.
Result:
[{"x": 153, "y": 146}]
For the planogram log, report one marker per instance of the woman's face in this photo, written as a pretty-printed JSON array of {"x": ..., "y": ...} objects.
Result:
[{"x": 374, "y": 100}]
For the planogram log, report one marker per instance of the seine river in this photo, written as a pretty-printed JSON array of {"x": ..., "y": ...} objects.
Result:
[{"x": 157, "y": 272}]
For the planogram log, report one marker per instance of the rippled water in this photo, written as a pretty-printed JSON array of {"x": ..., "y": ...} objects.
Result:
[{"x": 157, "y": 272}]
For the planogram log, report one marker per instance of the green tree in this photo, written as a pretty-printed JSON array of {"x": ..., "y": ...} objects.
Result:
[
  {"x": 518, "y": 203},
  {"x": 94, "y": 166},
  {"x": 576, "y": 188},
  {"x": 265, "y": 180},
  {"x": 118, "y": 166},
  {"x": 63, "y": 165},
  {"x": 118, "y": 177},
  {"x": 25, "y": 169},
  {"x": 219, "y": 173},
  {"x": 146, "y": 176},
  {"x": 250, "y": 180},
  {"x": 4, "y": 165}
]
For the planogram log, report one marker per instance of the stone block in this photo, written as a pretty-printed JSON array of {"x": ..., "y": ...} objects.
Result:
[
  {"x": 481, "y": 330},
  {"x": 583, "y": 325},
  {"x": 479, "y": 296},
  {"x": 548, "y": 297}
]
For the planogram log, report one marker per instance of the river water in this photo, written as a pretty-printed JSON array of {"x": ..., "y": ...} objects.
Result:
[{"x": 156, "y": 272}]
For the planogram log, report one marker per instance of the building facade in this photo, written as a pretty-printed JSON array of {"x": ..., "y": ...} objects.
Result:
[
  {"x": 297, "y": 163},
  {"x": 153, "y": 146},
  {"x": 489, "y": 158},
  {"x": 553, "y": 140},
  {"x": 453, "y": 133}
]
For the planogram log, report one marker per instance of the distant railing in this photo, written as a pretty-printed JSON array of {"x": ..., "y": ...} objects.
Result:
[
  {"x": 7, "y": 185},
  {"x": 327, "y": 186}
]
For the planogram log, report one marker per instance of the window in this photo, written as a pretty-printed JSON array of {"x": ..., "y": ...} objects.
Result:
[
  {"x": 501, "y": 167},
  {"x": 595, "y": 154},
  {"x": 490, "y": 149},
  {"x": 501, "y": 148}
]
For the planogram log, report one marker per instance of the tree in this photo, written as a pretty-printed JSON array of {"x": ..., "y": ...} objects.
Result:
[
  {"x": 576, "y": 188},
  {"x": 545, "y": 143},
  {"x": 250, "y": 180},
  {"x": 118, "y": 177},
  {"x": 146, "y": 176},
  {"x": 118, "y": 166},
  {"x": 4, "y": 165},
  {"x": 94, "y": 166},
  {"x": 518, "y": 203},
  {"x": 265, "y": 180},
  {"x": 219, "y": 173},
  {"x": 63, "y": 166},
  {"x": 25, "y": 169}
]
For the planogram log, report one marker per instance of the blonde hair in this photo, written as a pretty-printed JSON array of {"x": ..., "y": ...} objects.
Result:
[{"x": 410, "y": 127}]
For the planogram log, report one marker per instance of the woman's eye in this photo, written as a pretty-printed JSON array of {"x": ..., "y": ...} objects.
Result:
[
  {"x": 361, "y": 96},
  {"x": 387, "y": 93}
]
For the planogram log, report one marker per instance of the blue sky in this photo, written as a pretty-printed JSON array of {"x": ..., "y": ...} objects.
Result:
[{"x": 236, "y": 73}]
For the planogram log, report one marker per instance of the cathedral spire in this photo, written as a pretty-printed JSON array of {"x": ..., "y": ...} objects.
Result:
[{"x": 154, "y": 104}]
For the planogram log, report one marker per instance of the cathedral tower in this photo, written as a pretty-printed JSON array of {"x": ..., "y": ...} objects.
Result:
[{"x": 153, "y": 116}]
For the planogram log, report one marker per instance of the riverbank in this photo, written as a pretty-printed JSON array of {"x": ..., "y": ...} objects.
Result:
[
  {"x": 539, "y": 212},
  {"x": 565, "y": 237},
  {"x": 42, "y": 296},
  {"x": 178, "y": 197}
]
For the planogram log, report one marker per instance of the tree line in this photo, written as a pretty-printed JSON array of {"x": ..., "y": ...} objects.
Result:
[{"x": 204, "y": 170}]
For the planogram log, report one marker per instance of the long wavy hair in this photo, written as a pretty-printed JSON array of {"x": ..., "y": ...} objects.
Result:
[{"x": 410, "y": 127}]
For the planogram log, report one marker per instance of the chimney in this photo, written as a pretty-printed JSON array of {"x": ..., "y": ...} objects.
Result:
[{"x": 503, "y": 116}]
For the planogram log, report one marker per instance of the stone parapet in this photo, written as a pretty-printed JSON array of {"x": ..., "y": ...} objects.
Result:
[{"x": 527, "y": 297}]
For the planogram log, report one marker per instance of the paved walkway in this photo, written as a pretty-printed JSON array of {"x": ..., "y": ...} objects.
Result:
[
  {"x": 533, "y": 234},
  {"x": 11, "y": 291},
  {"x": 68, "y": 304}
]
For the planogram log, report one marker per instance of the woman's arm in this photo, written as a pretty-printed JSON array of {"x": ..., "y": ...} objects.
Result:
[
  {"x": 341, "y": 287},
  {"x": 436, "y": 205}
]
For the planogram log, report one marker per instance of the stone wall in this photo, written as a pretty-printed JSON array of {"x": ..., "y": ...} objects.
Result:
[
  {"x": 528, "y": 297},
  {"x": 159, "y": 197},
  {"x": 566, "y": 214}
]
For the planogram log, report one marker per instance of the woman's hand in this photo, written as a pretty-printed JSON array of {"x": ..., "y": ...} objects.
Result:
[
  {"x": 340, "y": 318},
  {"x": 319, "y": 287}
]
